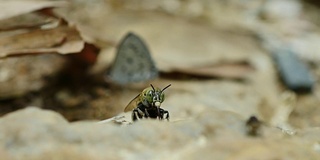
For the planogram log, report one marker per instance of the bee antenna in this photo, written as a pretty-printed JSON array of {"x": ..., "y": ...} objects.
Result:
[
  {"x": 152, "y": 87},
  {"x": 165, "y": 88}
]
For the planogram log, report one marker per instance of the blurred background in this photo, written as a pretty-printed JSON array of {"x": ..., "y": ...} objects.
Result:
[{"x": 248, "y": 57}]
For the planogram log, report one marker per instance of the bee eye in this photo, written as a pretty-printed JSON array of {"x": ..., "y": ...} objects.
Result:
[
  {"x": 149, "y": 96},
  {"x": 162, "y": 97}
]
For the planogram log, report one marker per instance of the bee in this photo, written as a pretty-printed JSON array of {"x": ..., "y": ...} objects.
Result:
[{"x": 147, "y": 104}]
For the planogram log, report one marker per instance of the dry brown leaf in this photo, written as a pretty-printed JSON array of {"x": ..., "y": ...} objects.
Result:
[
  {"x": 233, "y": 70},
  {"x": 10, "y": 9},
  {"x": 29, "y": 20},
  {"x": 62, "y": 40}
]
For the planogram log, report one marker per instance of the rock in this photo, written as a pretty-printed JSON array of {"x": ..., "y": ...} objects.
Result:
[
  {"x": 274, "y": 9},
  {"x": 33, "y": 133},
  {"x": 294, "y": 73},
  {"x": 20, "y": 75}
]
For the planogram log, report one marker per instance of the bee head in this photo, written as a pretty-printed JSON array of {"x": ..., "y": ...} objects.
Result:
[{"x": 152, "y": 96}]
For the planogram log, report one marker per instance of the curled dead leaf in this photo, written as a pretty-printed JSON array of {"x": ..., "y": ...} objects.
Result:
[
  {"x": 61, "y": 40},
  {"x": 26, "y": 21},
  {"x": 10, "y": 9}
]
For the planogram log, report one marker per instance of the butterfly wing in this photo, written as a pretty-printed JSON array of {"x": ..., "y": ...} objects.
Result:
[
  {"x": 133, "y": 62},
  {"x": 132, "y": 104}
]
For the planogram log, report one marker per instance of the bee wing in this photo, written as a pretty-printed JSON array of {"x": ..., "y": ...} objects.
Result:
[
  {"x": 132, "y": 104},
  {"x": 133, "y": 62}
]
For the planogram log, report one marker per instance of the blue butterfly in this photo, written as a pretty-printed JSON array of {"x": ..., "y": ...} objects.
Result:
[{"x": 133, "y": 62}]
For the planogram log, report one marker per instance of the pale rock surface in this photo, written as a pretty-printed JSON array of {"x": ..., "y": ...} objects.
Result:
[{"x": 33, "y": 133}]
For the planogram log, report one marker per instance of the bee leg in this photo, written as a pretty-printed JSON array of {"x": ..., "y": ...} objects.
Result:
[
  {"x": 137, "y": 114},
  {"x": 146, "y": 113},
  {"x": 162, "y": 112},
  {"x": 134, "y": 115},
  {"x": 166, "y": 112}
]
